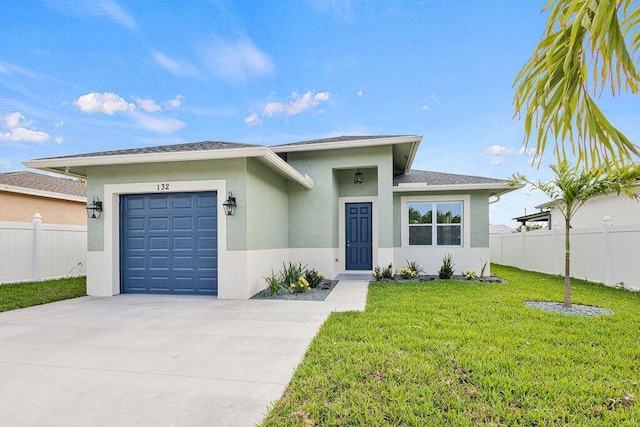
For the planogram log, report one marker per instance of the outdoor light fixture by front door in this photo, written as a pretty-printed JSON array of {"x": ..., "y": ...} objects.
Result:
[
  {"x": 94, "y": 208},
  {"x": 229, "y": 205},
  {"x": 358, "y": 177}
]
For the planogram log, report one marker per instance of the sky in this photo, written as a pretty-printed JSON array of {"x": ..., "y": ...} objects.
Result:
[{"x": 93, "y": 75}]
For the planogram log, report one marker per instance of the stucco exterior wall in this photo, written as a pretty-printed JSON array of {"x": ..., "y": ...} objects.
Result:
[
  {"x": 16, "y": 207},
  {"x": 332, "y": 171},
  {"x": 234, "y": 171}
]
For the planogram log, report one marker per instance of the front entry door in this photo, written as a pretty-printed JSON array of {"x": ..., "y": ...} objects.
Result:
[{"x": 359, "y": 254}]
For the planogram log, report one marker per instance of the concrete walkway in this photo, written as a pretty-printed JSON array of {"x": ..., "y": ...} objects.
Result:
[{"x": 156, "y": 360}]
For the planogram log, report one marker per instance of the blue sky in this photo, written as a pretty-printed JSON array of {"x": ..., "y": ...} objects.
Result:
[{"x": 104, "y": 74}]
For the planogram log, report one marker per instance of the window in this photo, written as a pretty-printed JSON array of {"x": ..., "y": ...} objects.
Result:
[{"x": 435, "y": 223}]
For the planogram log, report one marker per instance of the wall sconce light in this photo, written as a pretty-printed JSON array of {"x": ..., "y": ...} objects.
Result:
[
  {"x": 358, "y": 177},
  {"x": 94, "y": 208},
  {"x": 229, "y": 205}
]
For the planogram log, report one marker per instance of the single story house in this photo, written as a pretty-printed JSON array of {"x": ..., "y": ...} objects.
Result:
[
  {"x": 343, "y": 204},
  {"x": 620, "y": 209},
  {"x": 57, "y": 200}
]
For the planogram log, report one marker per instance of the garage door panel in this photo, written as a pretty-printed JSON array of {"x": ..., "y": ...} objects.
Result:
[
  {"x": 182, "y": 224},
  {"x": 169, "y": 243}
]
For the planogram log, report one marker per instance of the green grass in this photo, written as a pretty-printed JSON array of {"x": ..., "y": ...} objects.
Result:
[
  {"x": 466, "y": 353},
  {"x": 21, "y": 295}
]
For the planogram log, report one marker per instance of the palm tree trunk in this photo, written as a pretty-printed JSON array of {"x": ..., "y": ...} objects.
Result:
[{"x": 567, "y": 264}]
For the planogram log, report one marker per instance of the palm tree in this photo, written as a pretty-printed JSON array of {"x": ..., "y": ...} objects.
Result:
[
  {"x": 572, "y": 187},
  {"x": 587, "y": 46}
]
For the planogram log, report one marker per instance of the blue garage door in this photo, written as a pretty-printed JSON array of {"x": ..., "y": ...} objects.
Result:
[{"x": 168, "y": 243}]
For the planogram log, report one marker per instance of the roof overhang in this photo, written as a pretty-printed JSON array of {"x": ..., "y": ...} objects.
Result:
[
  {"x": 41, "y": 193},
  {"x": 495, "y": 189},
  {"x": 404, "y": 148},
  {"x": 77, "y": 166}
]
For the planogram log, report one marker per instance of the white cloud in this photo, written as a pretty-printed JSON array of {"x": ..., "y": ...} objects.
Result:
[
  {"x": 148, "y": 105},
  {"x": 498, "y": 154},
  {"x": 158, "y": 124},
  {"x": 59, "y": 139},
  {"x": 174, "y": 103},
  {"x": 359, "y": 93},
  {"x": 102, "y": 8},
  {"x": 17, "y": 129},
  {"x": 297, "y": 105},
  {"x": 236, "y": 61},
  {"x": 173, "y": 66},
  {"x": 425, "y": 107},
  {"x": 107, "y": 103},
  {"x": 252, "y": 120},
  {"x": 114, "y": 11}
]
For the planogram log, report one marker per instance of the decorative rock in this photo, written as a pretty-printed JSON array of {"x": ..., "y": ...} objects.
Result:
[{"x": 576, "y": 309}]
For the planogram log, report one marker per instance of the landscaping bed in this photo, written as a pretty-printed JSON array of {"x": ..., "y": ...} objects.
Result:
[{"x": 319, "y": 293}]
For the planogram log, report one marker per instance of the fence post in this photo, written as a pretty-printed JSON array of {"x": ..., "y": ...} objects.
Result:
[
  {"x": 555, "y": 247},
  {"x": 524, "y": 255},
  {"x": 35, "y": 258},
  {"x": 607, "y": 224}
]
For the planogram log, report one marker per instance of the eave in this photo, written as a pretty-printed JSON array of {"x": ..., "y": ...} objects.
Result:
[
  {"x": 42, "y": 193},
  {"x": 495, "y": 189},
  {"x": 70, "y": 165}
]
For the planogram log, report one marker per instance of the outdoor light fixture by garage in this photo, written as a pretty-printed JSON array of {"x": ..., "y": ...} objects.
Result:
[
  {"x": 358, "y": 178},
  {"x": 230, "y": 205},
  {"x": 94, "y": 208}
]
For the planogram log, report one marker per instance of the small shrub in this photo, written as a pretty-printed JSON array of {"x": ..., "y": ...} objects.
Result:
[
  {"x": 484, "y": 267},
  {"x": 415, "y": 267},
  {"x": 446, "y": 271},
  {"x": 407, "y": 273},
  {"x": 377, "y": 273},
  {"x": 313, "y": 278},
  {"x": 469, "y": 274},
  {"x": 301, "y": 285},
  {"x": 273, "y": 284},
  {"x": 387, "y": 273},
  {"x": 291, "y": 273}
]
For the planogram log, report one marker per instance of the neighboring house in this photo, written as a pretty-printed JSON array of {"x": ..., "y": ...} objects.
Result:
[
  {"x": 343, "y": 204},
  {"x": 57, "y": 200},
  {"x": 500, "y": 228},
  {"x": 621, "y": 209}
]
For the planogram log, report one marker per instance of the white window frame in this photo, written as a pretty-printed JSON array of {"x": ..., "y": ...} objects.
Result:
[{"x": 465, "y": 233}]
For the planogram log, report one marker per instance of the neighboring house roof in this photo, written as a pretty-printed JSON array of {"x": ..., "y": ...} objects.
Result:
[
  {"x": 37, "y": 184},
  {"x": 417, "y": 180},
  {"x": 542, "y": 216},
  {"x": 500, "y": 228}
]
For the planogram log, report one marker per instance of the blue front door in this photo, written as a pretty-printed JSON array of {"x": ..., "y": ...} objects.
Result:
[
  {"x": 359, "y": 254},
  {"x": 168, "y": 243}
]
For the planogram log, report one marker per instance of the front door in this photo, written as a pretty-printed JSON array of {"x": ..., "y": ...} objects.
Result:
[{"x": 359, "y": 253}]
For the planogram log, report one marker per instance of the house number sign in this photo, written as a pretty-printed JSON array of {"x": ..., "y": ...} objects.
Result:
[{"x": 163, "y": 187}]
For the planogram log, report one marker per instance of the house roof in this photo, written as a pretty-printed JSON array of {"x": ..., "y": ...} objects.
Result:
[
  {"x": 418, "y": 180},
  {"x": 38, "y": 184},
  {"x": 174, "y": 148},
  {"x": 343, "y": 138},
  {"x": 441, "y": 178}
]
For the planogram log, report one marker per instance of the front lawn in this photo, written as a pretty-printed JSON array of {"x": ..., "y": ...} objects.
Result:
[
  {"x": 20, "y": 295},
  {"x": 463, "y": 353}
]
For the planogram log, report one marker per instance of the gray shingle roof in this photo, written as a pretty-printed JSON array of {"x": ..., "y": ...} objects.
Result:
[
  {"x": 440, "y": 178},
  {"x": 192, "y": 146},
  {"x": 343, "y": 138},
  {"x": 38, "y": 181}
]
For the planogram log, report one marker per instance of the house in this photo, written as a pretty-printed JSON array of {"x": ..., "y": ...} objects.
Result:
[
  {"x": 500, "y": 228},
  {"x": 621, "y": 209},
  {"x": 216, "y": 217},
  {"x": 57, "y": 200}
]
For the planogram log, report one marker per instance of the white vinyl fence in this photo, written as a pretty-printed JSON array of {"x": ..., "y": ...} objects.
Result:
[
  {"x": 37, "y": 251},
  {"x": 607, "y": 254}
]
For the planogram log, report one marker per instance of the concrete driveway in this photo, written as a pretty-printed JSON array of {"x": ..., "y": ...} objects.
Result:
[{"x": 155, "y": 360}]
